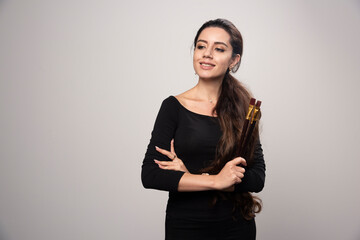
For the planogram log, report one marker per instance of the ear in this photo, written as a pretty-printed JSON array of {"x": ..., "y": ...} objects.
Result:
[{"x": 235, "y": 60}]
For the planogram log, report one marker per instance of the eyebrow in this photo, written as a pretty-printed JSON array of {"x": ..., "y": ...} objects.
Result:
[{"x": 215, "y": 42}]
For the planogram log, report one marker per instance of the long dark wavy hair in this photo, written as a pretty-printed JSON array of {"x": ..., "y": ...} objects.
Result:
[{"x": 231, "y": 109}]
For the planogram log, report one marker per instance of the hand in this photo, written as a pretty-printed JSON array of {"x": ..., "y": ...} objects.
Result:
[
  {"x": 176, "y": 163},
  {"x": 230, "y": 174}
]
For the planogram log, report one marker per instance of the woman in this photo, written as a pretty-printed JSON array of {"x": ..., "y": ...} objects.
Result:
[{"x": 193, "y": 149}]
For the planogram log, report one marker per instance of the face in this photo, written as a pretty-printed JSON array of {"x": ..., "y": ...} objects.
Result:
[{"x": 213, "y": 53}]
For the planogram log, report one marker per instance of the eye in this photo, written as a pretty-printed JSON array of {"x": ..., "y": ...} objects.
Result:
[
  {"x": 200, "y": 47},
  {"x": 220, "y": 50}
]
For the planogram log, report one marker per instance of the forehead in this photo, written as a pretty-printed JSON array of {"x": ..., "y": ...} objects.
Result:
[{"x": 215, "y": 34}]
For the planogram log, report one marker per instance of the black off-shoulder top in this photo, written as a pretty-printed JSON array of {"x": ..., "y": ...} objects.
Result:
[{"x": 195, "y": 140}]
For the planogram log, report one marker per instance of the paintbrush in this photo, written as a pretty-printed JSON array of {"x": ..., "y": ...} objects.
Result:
[
  {"x": 255, "y": 117},
  {"x": 246, "y": 123}
]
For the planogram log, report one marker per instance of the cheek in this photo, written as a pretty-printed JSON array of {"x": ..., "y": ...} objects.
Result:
[
  {"x": 228, "y": 61},
  {"x": 225, "y": 62},
  {"x": 195, "y": 58},
  {"x": 197, "y": 55},
  {"x": 194, "y": 61}
]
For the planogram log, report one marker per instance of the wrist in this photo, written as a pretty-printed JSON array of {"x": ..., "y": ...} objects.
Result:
[
  {"x": 210, "y": 181},
  {"x": 215, "y": 183}
]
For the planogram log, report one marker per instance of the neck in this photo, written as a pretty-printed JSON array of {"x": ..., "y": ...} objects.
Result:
[{"x": 208, "y": 90}]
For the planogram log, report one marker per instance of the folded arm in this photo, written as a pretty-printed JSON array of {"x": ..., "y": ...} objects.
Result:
[
  {"x": 164, "y": 129},
  {"x": 254, "y": 177}
]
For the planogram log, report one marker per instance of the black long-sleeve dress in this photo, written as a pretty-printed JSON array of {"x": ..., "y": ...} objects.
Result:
[{"x": 189, "y": 215}]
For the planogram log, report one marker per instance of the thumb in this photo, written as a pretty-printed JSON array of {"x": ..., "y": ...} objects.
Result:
[{"x": 239, "y": 160}]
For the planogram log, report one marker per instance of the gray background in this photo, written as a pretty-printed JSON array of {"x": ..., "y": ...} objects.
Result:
[{"x": 81, "y": 83}]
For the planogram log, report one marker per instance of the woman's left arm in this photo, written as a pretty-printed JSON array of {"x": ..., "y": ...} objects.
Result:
[{"x": 254, "y": 176}]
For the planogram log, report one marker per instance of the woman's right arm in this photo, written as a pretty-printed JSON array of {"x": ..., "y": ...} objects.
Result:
[
  {"x": 224, "y": 181},
  {"x": 229, "y": 175}
]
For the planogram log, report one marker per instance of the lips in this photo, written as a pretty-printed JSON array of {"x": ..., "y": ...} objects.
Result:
[{"x": 206, "y": 65}]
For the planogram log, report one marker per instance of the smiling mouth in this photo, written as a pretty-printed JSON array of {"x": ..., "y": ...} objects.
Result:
[{"x": 207, "y": 65}]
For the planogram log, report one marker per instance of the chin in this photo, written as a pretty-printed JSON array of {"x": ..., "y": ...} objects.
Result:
[{"x": 209, "y": 76}]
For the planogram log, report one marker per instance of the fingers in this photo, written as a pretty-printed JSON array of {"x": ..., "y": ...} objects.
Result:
[
  {"x": 171, "y": 154},
  {"x": 236, "y": 172},
  {"x": 238, "y": 161},
  {"x": 164, "y": 163},
  {"x": 162, "y": 151},
  {"x": 240, "y": 169},
  {"x": 172, "y": 149},
  {"x": 239, "y": 174},
  {"x": 170, "y": 165},
  {"x": 165, "y": 152}
]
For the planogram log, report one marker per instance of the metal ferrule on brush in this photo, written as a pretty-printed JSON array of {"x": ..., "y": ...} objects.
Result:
[
  {"x": 251, "y": 107},
  {"x": 256, "y": 115}
]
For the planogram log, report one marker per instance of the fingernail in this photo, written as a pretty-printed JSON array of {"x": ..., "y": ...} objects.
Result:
[{"x": 156, "y": 147}]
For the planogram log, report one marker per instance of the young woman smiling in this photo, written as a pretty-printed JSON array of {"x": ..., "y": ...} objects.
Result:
[{"x": 192, "y": 151}]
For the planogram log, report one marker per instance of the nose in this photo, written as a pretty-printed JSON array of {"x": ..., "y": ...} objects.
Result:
[{"x": 208, "y": 53}]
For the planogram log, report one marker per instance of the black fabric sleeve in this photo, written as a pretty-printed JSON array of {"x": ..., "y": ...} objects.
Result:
[
  {"x": 164, "y": 130},
  {"x": 254, "y": 176}
]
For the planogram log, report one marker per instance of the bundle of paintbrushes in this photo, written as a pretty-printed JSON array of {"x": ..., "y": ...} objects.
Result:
[{"x": 252, "y": 117}]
